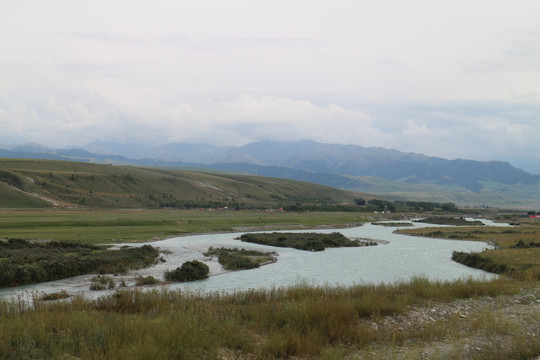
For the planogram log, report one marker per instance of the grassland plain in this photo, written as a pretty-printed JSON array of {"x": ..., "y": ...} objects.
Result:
[{"x": 141, "y": 225}]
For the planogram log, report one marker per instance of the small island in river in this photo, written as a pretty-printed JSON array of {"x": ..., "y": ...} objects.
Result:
[
  {"x": 241, "y": 259},
  {"x": 453, "y": 221},
  {"x": 393, "y": 224},
  {"x": 303, "y": 241}
]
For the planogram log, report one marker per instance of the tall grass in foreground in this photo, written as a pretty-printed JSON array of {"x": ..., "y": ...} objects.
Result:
[{"x": 300, "y": 321}]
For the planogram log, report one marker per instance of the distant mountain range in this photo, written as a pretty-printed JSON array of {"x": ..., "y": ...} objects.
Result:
[{"x": 385, "y": 172}]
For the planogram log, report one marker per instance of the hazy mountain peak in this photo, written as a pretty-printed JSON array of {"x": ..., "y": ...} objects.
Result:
[{"x": 32, "y": 148}]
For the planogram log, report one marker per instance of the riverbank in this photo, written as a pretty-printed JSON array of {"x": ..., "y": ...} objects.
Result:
[{"x": 499, "y": 319}]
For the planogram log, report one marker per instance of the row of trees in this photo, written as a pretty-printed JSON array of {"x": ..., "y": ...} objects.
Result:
[{"x": 392, "y": 206}]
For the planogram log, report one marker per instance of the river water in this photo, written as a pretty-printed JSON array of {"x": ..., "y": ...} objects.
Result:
[{"x": 401, "y": 259}]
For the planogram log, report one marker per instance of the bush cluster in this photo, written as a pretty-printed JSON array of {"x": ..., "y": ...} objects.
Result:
[
  {"x": 23, "y": 262},
  {"x": 102, "y": 282},
  {"x": 146, "y": 280},
  {"x": 189, "y": 271},
  {"x": 523, "y": 245}
]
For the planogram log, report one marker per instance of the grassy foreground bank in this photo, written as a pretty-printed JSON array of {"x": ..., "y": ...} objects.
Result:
[{"x": 300, "y": 322}]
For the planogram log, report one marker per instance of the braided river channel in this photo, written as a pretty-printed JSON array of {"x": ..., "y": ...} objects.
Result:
[{"x": 396, "y": 258}]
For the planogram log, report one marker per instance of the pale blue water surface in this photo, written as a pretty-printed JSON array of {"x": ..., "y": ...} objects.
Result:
[{"x": 401, "y": 259}]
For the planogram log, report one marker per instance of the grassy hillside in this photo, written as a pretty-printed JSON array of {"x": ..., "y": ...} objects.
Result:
[{"x": 44, "y": 183}]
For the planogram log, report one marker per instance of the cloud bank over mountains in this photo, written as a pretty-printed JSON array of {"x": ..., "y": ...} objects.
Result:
[{"x": 453, "y": 79}]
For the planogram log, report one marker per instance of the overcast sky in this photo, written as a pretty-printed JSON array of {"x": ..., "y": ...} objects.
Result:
[{"x": 455, "y": 79}]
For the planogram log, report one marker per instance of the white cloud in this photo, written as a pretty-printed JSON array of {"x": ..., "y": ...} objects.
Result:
[{"x": 451, "y": 78}]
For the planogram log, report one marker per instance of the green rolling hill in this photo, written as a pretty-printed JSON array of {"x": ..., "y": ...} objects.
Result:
[{"x": 49, "y": 183}]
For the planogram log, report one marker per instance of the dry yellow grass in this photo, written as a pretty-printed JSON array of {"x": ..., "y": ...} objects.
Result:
[{"x": 298, "y": 322}]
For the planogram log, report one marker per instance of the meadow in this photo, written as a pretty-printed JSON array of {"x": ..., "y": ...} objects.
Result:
[{"x": 142, "y": 225}]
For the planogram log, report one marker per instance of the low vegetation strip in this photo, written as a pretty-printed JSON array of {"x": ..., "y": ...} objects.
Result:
[
  {"x": 454, "y": 221},
  {"x": 478, "y": 261},
  {"x": 23, "y": 262},
  {"x": 302, "y": 241},
  {"x": 393, "y": 224},
  {"x": 241, "y": 259}
]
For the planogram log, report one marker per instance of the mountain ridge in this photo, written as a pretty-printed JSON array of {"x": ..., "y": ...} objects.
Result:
[
  {"x": 341, "y": 166},
  {"x": 355, "y": 160}
]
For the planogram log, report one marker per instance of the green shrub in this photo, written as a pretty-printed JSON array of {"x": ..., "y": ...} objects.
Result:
[
  {"x": 189, "y": 271},
  {"x": 102, "y": 282},
  {"x": 11, "y": 179},
  {"x": 147, "y": 280},
  {"x": 522, "y": 245},
  {"x": 478, "y": 261},
  {"x": 55, "y": 296},
  {"x": 23, "y": 262}
]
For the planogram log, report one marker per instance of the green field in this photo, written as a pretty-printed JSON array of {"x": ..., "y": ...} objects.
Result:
[{"x": 109, "y": 225}]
